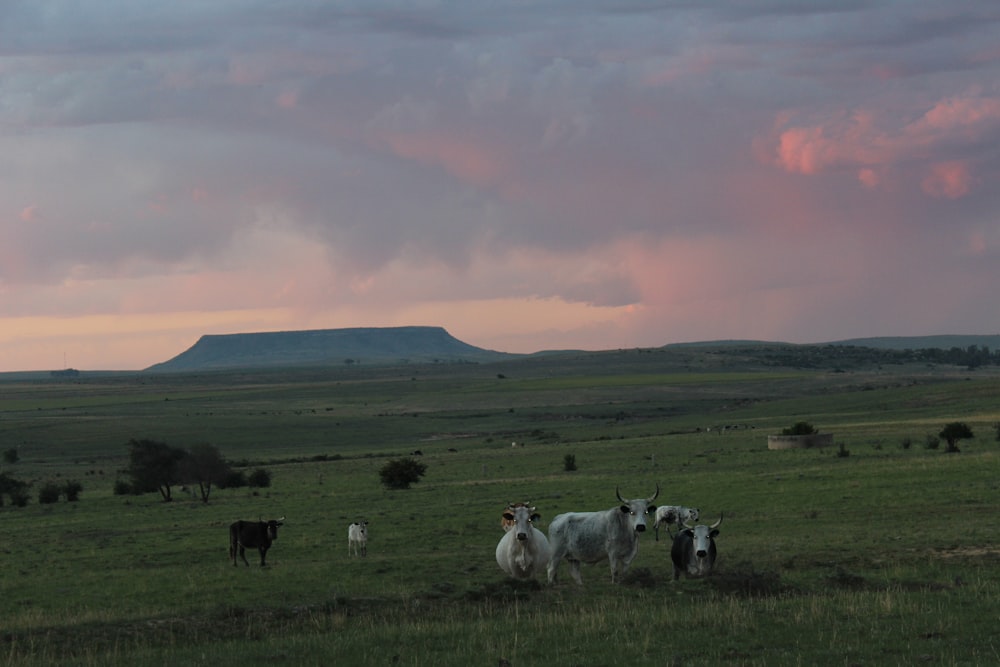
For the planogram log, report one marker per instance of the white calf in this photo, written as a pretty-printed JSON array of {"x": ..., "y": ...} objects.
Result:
[{"x": 357, "y": 538}]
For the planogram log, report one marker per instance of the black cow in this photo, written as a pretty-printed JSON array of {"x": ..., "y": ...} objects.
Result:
[
  {"x": 693, "y": 550},
  {"x": 253, "y": 535}
]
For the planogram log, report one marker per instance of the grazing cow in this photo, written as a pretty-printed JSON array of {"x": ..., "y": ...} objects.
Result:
[
  {"x": 523, "y": 552},
  {"x": 694, "y": 550},
  {"x": 668, "y": 515},
  {"x": 252, "y": 535},
  {"x": 357, "y": 538},
  {"x": 589, "y": 537},
  {"x": 506, "y": 518}
]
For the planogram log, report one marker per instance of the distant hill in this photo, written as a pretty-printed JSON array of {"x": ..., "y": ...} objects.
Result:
[
  {"x": 370, "y": 345},
  {"x": 394, "y": 345}
]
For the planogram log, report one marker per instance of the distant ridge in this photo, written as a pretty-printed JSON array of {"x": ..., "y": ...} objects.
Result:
[
  {"x": 369, "y": 345},
  {"x": 943, "y": 342}
]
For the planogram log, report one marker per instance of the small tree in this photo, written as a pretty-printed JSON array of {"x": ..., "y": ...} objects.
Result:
[
  {"x": 154, "y": 466},
  {"x": 204, "y": 466},
  {"x": 569, "y": 462},
  {"x": 954, "y": 432},
  {"x": 401, "y": 473}
]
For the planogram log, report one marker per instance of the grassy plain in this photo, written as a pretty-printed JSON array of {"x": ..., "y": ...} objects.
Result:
[{"x": 888, "y": 556}]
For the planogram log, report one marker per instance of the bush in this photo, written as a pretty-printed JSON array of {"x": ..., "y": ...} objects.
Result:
[
  {"x": 906, "y": 443},
  {"x": 72, "y": 490},
  {"x": 10, "y": 456},
  {"x": 932, "y": 441},
  {"x": 19, "y": 496},
  {"x": 259, "y": 478},
  {"x": 401, "y": 473},
  {"x": 122, "y": 488},
  {"x": 569, "y": 462},
  {"x": 235, "y": 480},
  {"x": 800, "y": 428},
  {"x": 842, "y": 451},
  {"x": 49, "y": 493}
]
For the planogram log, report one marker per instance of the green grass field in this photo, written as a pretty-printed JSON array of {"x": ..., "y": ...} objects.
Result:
[{"x": 886, "y": 556}]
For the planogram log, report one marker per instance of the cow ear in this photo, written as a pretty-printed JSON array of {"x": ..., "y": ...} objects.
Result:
[
  {"x": 536, "y": 516},
  {"x": 651, "y": 509},
  {"x": 714, "y": 533},
  {"x": 508, "y": 516},
  {"x": 626, "y": 509}
]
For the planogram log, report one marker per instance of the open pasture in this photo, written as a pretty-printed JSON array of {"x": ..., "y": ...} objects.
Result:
[{"x": 887, "y": 556}]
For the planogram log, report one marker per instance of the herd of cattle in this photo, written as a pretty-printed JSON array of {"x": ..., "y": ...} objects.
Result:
[
  {"x": 524, "y": 552},
  {"x": 591, "y": 537}
]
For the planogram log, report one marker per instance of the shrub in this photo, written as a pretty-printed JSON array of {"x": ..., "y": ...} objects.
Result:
[
  {"x": 235, "y": 480},
  {"x": 72, "y": 490},
  {"x": 260, "y": 478},
  {"x": 842, "y": 451},
  {"x": 10, "y": 455},
  {"x": 401, "y": 473},
  {"x": 122, "y": 488},
  {"x": 19, "y": 496},
  {"x": 932, "y": 441},
  {"x": 569, "y": 463},
  {"x": 800, "y": 428},
  {"x": 49, "y": 493},
  {"x": 906, "y": 443}
]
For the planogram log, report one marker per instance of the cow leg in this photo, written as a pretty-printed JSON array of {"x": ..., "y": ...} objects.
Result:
[
  {"x": 243, "y": 555},
  {"x": 574, "y": 569},
  {"x": 553, "y": 567},
  {"x": 263, "y": 552}
]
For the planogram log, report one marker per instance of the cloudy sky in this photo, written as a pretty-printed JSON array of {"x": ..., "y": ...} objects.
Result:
[{"x": 593, "y": 174}]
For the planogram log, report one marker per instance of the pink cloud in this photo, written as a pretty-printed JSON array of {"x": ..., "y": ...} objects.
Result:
[
  {"x": 29, "y": 213},
  {"x": 857, "y": 141},
  {"x": 947, "y": 179},
  {"x": 468, "y": 160}
]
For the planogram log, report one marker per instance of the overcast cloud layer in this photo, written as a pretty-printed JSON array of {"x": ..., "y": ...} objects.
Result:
[{"x": 529, "y": 175}]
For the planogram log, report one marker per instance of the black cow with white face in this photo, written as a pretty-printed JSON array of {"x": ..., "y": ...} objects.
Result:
[
  {"x": 252, "y": 535},
  {"x": 693, "y": 551}
]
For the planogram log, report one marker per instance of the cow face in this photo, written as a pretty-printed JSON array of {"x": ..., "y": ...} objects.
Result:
[
  {"x": 636, "y": 510},
  {"x": 272, "y": 529},
  {"x": 702, "y": 536},
  {"x": 520, "y": 519}
]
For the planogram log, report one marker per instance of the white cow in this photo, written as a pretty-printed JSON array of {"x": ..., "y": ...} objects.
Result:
[
  {"x": 668, "y": 515},
  {"x": 523, "y": 552},
  {"x": 357, "y": 538},
  {"x": 590, "y": 537}
]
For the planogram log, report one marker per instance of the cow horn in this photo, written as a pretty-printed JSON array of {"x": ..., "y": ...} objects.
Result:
[
  {"x": 620, "y": 499},
  {"x": 685, "y": 524},
  {"x": 716, "y": 524},
  {"x": 655, "y": 494}
]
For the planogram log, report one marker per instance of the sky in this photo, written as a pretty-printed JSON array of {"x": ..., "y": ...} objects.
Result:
[{"x": 587, "y": 174}]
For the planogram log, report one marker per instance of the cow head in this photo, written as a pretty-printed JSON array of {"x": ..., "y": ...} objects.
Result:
[
  {"x": 636, "y": 510},
  {"x": 521, "y": 518},
  {"x": 272, "y": 527},
  {"x": 702, "y": 536}
]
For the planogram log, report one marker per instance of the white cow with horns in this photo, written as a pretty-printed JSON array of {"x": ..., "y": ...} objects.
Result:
[
  {"x": 523, "y": 552},
  {"x": 590, "y": 537}
]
